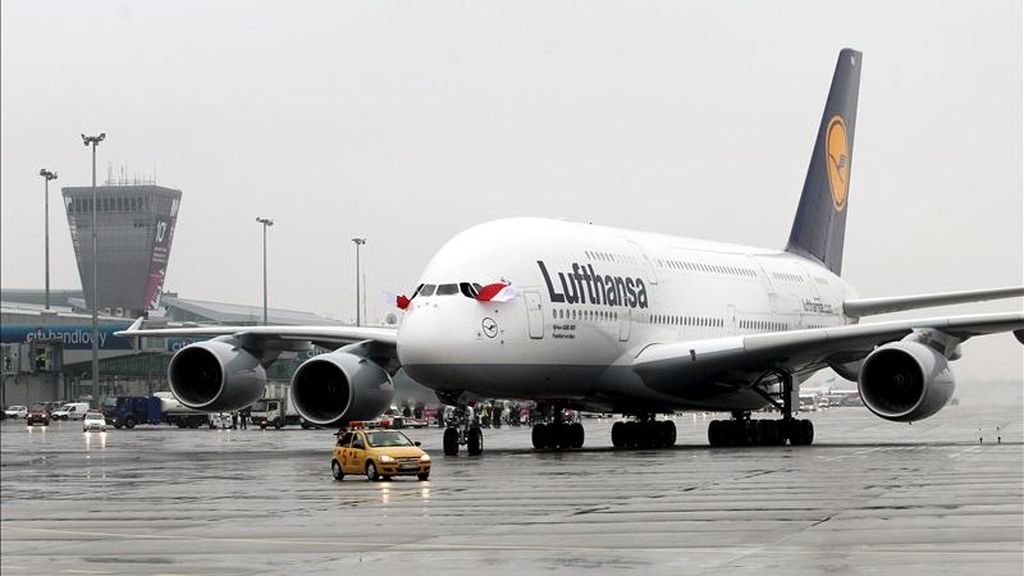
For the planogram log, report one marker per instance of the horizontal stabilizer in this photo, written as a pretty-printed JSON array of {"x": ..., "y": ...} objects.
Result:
[{"x": 870, "y": 306}]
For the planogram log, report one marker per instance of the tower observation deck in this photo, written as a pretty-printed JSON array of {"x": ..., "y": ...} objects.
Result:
[{"x": 134, "y": 229}]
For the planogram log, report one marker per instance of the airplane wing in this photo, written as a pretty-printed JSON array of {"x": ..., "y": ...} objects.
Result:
[
  {"x": 739, "y": 359},
  {"x": 869, "y": 306},
  {"x": 259, "y": 336}
]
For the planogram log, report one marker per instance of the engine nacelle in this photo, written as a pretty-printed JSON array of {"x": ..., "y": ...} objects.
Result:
[
  {"x": 341, "y": 387},
  {"x": 905, "y": 381},
  {"x": 216, "y": 376}
]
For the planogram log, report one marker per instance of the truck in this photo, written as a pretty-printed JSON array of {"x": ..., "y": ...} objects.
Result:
[
  {"x": 276, "y": 412},
  {"x": 160, "y": 408},
  {"x": 276, "y": 409}
]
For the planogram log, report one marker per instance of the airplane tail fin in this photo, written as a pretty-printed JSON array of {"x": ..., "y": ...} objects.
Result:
[{"x": 820, "y": 223}]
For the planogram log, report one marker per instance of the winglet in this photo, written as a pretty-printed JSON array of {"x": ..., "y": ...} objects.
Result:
[{"x": 135, "y": 326}]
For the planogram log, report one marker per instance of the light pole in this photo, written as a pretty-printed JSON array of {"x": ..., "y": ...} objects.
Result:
[
  {"x": 47, "y": 175},
  {"x": 265, "y": 222},
  {"x": 359, "y": 242},
  {"x": 93, "y": 141}
]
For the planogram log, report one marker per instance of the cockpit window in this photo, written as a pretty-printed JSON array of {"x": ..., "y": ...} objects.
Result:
[
  {"x": 447, "y": 289},
  {"x": 426, "y": 290},
  {"x": 469, "y": 290}
]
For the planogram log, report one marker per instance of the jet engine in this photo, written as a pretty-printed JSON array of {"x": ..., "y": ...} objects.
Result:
[
  {"x": 341, "y": 387},
  {"x": 216, "y": 376},
  {"x": 905, "y": 381}
]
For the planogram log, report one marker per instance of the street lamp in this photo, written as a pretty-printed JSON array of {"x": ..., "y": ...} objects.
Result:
[
  {"x": 47, "y": 175},
  {"x": 93, "y": 141},
  {"x": 265, "y": 222},
  {"x": 359, "y": 242}
]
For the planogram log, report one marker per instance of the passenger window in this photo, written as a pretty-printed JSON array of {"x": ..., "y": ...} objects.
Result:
[
  {"x": 345, "y": 440},
  {"x": 426, "y": 290},
  {"x": 447, "y": 289},
  {"x": 358, "y": 442}
]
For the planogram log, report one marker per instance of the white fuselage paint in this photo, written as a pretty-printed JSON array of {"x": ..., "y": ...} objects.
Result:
[{"x": 536, "y": 346}]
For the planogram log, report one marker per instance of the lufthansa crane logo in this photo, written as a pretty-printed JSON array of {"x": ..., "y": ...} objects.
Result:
[
  {"x": 490, "y": 327},
  {"x": 837, "y": 158}
]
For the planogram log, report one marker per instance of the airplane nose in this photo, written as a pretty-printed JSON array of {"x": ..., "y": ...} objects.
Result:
[{"x": 418, "y": 336}]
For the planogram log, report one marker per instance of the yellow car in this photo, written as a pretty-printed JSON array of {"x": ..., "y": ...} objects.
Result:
[{"x": 380, "y": 454}]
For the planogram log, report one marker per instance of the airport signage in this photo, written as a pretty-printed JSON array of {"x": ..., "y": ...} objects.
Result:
[{"x": 73, "y": 337}]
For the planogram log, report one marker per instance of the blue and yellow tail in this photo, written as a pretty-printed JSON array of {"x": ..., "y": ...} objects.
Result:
[{"x": 820, "y": 223}]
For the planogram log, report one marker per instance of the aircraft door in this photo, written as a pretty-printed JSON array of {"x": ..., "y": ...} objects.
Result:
[
  {"x": 534, "y": 315},
  {"x": 625, "y": 325}
]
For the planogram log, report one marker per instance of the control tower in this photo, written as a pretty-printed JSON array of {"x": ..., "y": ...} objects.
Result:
[{"x": 135, "y": 226}]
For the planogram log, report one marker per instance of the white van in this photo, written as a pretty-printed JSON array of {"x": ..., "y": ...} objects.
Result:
[{"x": 71, "y": 411}]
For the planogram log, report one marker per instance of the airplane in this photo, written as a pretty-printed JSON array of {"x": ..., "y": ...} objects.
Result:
[{"x": 589, "y": 317}]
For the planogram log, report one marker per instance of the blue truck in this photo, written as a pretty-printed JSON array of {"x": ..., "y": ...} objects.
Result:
[{"x": 129, "y": 411}]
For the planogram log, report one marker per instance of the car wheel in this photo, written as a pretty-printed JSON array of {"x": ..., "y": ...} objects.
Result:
[
  {"x": 423, "y": 476},
  {"x": 336, "y": 470},
  {"x": 129, "y": 423},
  {"x": 371, "y": 471}
]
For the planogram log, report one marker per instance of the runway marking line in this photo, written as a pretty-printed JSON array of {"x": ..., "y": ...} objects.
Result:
[{"x": 732, "y": 550}]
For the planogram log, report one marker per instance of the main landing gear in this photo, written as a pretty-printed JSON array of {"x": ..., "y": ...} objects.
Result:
[
  {"x": 644, "y": 432},
  {"x": 557, "y": 434},
  {"x": 742, "y": 431},
  {"x": 462, "y": 430}
]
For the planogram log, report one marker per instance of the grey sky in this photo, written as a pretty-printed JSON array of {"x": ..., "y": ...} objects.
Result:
[{"x": 406, "y": 122}]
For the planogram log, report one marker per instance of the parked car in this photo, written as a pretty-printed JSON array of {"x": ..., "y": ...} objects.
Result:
[
  {"x": 71, "y": 411},
  {"x": 38, "y": 415},
  {"x": 94, "y": 421},
  {"x": 17, "y": 411}
]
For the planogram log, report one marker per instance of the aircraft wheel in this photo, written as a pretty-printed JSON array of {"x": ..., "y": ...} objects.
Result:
[
  {"x": 576, "y": 435},
  {"x": 668, "y": 433},
  {"x": 336, "y": 471},
  {"x": 451, "y": 441},
  {"x": 801, "y": 433},
  {"x": 539, "y": 436},
  {"x": 619, "y": 434},
  {"x": 475, "y": 442}
]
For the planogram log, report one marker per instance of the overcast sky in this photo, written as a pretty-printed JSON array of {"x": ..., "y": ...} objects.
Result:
[{"x": 406, "y": 122}]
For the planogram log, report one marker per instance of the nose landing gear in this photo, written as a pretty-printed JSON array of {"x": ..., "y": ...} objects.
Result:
[{"x": 461, "y": 429}]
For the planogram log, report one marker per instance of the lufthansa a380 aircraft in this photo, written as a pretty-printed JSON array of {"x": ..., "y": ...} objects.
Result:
[{"x": 603, "y": 319}]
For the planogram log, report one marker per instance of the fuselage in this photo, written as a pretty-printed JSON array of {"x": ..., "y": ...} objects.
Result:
[{"x": 590, "y": 298}]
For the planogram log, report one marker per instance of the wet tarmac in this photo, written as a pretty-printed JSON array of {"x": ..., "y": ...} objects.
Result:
[{"x": 868, "y": 497}]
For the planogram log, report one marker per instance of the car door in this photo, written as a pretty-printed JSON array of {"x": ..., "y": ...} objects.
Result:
[{"x": 356, "y": 454}]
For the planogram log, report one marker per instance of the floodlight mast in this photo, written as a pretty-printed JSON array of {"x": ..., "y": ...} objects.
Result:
[{"x": 94, "y": 141}]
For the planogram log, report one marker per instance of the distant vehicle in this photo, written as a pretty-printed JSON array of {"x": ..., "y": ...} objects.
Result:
[
  {"x": 71, "y": 411},
  {"x": 276, "y": 412},
  {"x": 160, "y": 408},
  {"x": 94, "y": 421},
  {"x": 17, "y": 411},
  {"x": 38, "y": 415},
  {"x": 379, "y": 454},
  {"x": 221, "y": 420}
]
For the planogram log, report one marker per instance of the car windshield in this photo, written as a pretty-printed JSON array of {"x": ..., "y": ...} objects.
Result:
[
  {"x": 94, "y": 416},
  {"x": 258, "y": 406},
  {"x": 385, "y": 439}
]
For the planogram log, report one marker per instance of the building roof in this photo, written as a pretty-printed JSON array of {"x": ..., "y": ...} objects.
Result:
[{"x": 182, "y": 309}]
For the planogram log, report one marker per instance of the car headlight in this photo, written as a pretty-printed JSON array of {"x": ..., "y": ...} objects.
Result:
[
  {"x": 385, "y": 459},
  {"x": 425, "y": 457}
]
